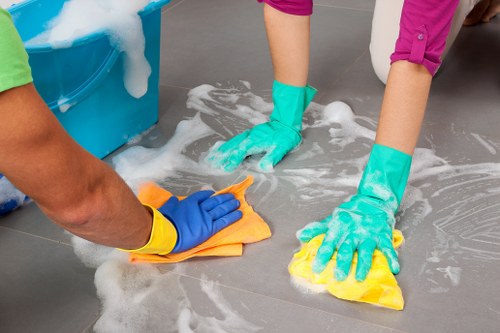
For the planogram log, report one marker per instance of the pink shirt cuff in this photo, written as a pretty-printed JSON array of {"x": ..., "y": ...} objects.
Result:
[
  {"x": 424, "y": 27},
  {"x": 293, "y": 7}
]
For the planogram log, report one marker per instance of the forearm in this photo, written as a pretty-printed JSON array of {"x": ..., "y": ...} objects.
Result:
[
  {"x": 403, "y": 106},
  {"x": 105, "y": 211},
  {"x": 75, "y": 189},
  {"x": 288, "y": 37}
]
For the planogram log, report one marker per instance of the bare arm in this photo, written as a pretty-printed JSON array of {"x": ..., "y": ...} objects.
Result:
[
  {"x": 76, "y": 190},
  {"x": 403, "y": 107},
  {"x": 288, "y": 37}
]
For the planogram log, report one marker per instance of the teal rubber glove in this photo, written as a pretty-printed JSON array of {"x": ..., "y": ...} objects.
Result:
[
  {"x": 365, "y": 222},
  {"x": 275, "y": 138}
]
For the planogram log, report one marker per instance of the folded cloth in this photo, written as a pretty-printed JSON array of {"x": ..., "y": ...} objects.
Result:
[
  {"x": 229, "y": 241},
  {"x": 379, "y": 288}
]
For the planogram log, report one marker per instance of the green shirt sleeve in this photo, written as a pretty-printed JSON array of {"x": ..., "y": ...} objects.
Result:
[{"x": 15, "y": 70}]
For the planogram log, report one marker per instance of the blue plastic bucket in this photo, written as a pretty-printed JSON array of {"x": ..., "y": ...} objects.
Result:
[{"x": 87, "y": 78}]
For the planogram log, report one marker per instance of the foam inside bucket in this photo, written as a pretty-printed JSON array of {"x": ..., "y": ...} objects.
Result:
[{"x": 83, "y": 83}]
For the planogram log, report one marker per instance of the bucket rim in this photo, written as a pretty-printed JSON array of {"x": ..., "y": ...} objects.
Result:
[{"x": 46, "y": 47}]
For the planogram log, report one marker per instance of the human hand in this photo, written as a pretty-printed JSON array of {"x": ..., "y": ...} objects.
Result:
[
  {"x": 360, "y": 225},
  {"x": 365, "y": 222},
  {"x": 199, "y": 216},
  {"x": 275, "y": 138}
]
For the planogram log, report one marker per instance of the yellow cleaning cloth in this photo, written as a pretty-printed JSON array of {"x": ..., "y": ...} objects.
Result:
[
  {"x": 379, "y": 288},
  {"x": 229, "y": 241}
]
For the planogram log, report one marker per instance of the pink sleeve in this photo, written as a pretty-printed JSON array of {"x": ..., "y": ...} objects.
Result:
[
  {"x": 424, "y": 27},
  {"x": 293, "y": 7}
]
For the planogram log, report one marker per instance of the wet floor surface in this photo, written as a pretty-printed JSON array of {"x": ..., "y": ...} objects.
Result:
[{"x": 450, "y": 216}]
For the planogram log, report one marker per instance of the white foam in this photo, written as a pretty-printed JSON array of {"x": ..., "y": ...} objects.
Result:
[
  {"x": 9, "y": 193},
  {"x": 139, "y": 164},
  {"x": 131, "y": 293},
  {"x": 307, "y": 287},
  {"x": 141, "y": 298},
  {"x": 452, "y": 273},
  {"x": 487, "y": 145},
  {"x": 119, "y": 19}
]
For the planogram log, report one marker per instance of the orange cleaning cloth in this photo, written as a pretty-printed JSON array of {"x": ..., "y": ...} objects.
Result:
[{"x": 229, "y": 241}]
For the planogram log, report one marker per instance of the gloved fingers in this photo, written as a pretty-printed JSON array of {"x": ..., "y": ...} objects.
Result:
[
  {"x": 325, "y": 251},
  {"x": 234, "y": 158},
  {"x": 365, "y": 258},
  {"x": 345, "y": 254},
  {"x": 231, "y": 153},
  {"x": 312, "y": 230},
  {"x": 200, "y": 196},
  {"x": 216, "y": 200},
  {"x": 224, "y": 209},
  {"x": 386, "y": 247},
  {"x": 273, "y": 157},
  {"x": 226, "y": 220},
  {"x": 232, "y": 143}
]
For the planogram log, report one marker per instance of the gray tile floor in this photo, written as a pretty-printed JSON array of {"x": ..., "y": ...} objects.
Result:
[{"x": 45, "y": 288}]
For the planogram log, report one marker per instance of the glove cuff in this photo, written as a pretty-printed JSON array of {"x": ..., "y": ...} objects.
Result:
[
  {"x": 386, "y": 175},
  {"x": 163, "y": 235},
  {"x": 290, "y": 102}
]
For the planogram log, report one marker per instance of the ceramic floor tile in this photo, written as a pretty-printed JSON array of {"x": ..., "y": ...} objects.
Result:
[
  {"x": 30, "y": 219},
  {"x": 444, "y": 281},
  {"x": 266, "y": 314},
  {"x": 171, "y": 4},
  {"x": 468, "y": 76},
  {"x": 450, "y": 258},
  {"x": 44, "y": 287},
  {"x": 352, "y": 4},
  {"x": 228, "y": 42}
]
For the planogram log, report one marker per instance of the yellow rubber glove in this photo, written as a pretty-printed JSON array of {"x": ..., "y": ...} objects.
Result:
[{"x": 163, "y": 235}]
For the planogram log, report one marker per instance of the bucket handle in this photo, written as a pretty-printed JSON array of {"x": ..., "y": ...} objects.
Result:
[{"x": 87, "y": 87}]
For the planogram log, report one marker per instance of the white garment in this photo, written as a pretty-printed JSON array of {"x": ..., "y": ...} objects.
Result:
[{"x": 385, "y": 31}]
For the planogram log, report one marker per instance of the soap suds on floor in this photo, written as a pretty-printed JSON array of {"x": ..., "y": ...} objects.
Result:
[
  {"x": 461, "y": 199},
  {"x": 141, "y": 298}
]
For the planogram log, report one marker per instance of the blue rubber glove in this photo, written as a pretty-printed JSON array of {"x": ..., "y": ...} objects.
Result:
[
  {"x": 275, "y": 138},
  {"x": 365, "y": 222},
  {"x": 10, "y": 197},
  {"x": 199, "y": 216}
]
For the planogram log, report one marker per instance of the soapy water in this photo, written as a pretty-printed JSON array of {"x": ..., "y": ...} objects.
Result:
[
  {"x": 9, "y": 195},
  {"x": 119, "y": 20},
  {"x": 461, "y": 199},
  {"x": 142, "y": 298},
  {"x": 467, "y": 195}
]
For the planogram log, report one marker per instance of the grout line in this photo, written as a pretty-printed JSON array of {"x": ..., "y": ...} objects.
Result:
[
  {"x": 174, "y": 86},
  {"x": 350, "y": 66},
  {"x": 346, "y": 8},
  {"x": 36, "y": 236},
  {"x": 90, "y": 326},
  {"x": 289, "y": 302},
  {"x": 172, "y": 7}
]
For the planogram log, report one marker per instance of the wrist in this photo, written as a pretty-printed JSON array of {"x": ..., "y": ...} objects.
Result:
[
  {"x": 163, "y": 237},
  {"x": 386, "y": 175},
  {"x": 290, "y": 102}
]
